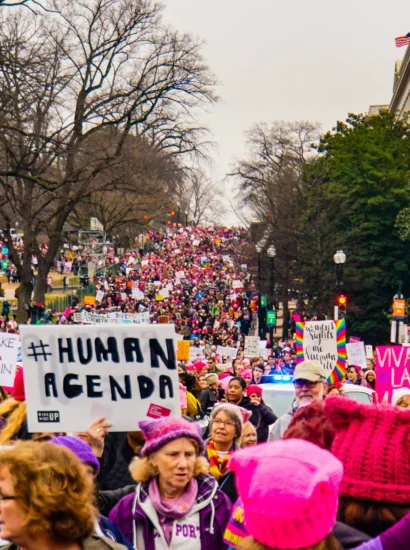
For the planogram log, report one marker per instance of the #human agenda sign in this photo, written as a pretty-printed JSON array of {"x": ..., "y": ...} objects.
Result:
[{"x": 74, "y": 375}]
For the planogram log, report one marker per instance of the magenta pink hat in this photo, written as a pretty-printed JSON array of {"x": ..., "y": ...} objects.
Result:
[
  {"x": 298, "y": 484},
  {"x": 372, "y": 441},
  {"x": 158, "y": 433}
]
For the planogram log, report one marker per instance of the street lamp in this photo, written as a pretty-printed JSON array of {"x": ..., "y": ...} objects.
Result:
[
  {"x": 271, "y": 252},
  {"x": 339, "y": 258},
  {"x": 259, "y": 248}
]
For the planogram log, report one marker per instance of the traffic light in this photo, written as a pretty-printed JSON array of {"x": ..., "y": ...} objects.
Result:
[
  {"x": 342, "y": 304},
  {"x": 172, "y": 212}
]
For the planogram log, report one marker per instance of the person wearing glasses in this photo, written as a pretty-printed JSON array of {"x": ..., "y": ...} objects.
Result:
[
  {"x": 46, "y": 501},
  {"x": 225, "y": 427},
  {"x": 310, "y": 383}
]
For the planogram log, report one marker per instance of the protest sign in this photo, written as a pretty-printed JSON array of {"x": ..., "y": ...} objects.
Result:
[
  {"x": 164, "y": 292},
  {"x": 73, "y": 376},
  {"x": 144, "y": 263},
  {"x": 89, "y": 300},
  {"x": 263, "y": 352},
  {"x": 180, "y": 274},
  {"x": 163, "y": 319},
  {"x": 195, "y": 353},
  {"x": 112, "y": 318},
  {"x": 123, "y": 296},
  {"x": 9, "y": 348},
  {"x": 183, "y": 350},
  {"x": 159, "y": 297},
  {"x": 226, "y": 351},
  {"x": 356, "y": 354},
  {"x": 68, "y": 267},
  {"x": 323, "y": 341},
  {"x": 237, "y": 284},
  {"x": 137, "y": 294},
  {"x": 393, "y": 370},
  {"x": 169, "y": 286},
  {"x": 353, "y": 339},
  {"x": 252, "y": 347},
  {"x": 369, "y": 352},
  {"x": 99, "y": 296}
]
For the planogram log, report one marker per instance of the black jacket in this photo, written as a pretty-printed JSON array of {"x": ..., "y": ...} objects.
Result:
[
  {"x": 115, "y": 462},
  {"x": 208, "y": 400},
  {"x": 108, "y": 499},
  {"x": 262, "y": 417}
]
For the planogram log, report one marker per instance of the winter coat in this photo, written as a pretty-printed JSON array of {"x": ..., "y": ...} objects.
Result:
[
  {"x": 208, "y": 400},
  {"x": 107, "y": 529},
  {"x": 108, "y": 499},
  {"x": 265, "y": 417},
  {"x": 137, "y": 519},
  {"x": 395, "y": 538},
  {"x": 91, "y": 543},
  {"x": 114, "y": 473},
  {"x": 282, "y": 423}
]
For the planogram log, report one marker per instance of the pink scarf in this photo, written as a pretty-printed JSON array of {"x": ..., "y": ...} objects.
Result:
[{"x": 171, "y": 509}]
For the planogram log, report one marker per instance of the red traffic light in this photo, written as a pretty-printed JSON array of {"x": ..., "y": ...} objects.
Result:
[
  {"x": 172, "y": 212},
  {"x": 342, "y": 300}
]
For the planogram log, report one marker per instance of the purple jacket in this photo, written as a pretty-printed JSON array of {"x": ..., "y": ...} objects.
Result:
[
  {"x": 395, "y": 538},
  {"x": 213, "y": 518}
]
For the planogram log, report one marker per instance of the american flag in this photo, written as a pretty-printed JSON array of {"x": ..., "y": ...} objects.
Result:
[{"x": 403, "y": 40}]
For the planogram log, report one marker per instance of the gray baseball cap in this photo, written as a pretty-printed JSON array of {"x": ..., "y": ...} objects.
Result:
[{"x": 309, "y": 370}]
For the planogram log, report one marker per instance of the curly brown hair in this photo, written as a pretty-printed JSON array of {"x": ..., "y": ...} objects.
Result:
[{"x": 52, "y": 489}]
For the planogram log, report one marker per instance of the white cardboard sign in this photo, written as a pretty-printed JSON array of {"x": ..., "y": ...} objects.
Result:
[
  {"x": 73, "y": 376},
  {"x": 252, "y": 346},
  {"x": 356, "y": 354},
  {"x": 226, "y": 351},
  {"x": 9, "y": 347}
]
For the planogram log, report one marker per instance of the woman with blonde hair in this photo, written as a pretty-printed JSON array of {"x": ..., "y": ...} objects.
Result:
[
  {"x": 176, "y": 504},
  {"x": 46, "y": 500},
  {"x": 249, "y": 437}
]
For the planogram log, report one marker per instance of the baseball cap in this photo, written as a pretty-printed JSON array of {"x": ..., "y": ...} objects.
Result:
[{"x": 309, "y": 370}]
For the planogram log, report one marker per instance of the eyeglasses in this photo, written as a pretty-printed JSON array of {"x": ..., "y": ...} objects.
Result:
[
  {"x": 6, "y": 497},
  {"x": 223, "y": 423},
  {"x": 310, "y": 385}
]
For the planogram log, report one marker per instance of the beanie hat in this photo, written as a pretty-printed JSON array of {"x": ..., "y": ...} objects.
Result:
[
  {"x": 298, "y": 484},
  {"x": 199, "y": 365},
  {"x": 211, "y": 378},
  {"x": 246, "y": 373},
  {"x": 18, "y": 390},
  {"x": 242, "y": 414},
  {"x": 398, "y": 394},
  {"x": 80, "y": 448},
  {"x": 253, "y": 388},
  {"x": 158, "y": 433},
  {"x": 372, "y": 442}
]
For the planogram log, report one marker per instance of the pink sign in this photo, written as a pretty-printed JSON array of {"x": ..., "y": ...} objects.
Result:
[
  {"x": 393, "y": 370},
  {"x": 156, "y": 411}
]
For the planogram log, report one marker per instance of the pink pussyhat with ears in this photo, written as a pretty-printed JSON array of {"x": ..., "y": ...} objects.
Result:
[{"x": 297, "y": 483}]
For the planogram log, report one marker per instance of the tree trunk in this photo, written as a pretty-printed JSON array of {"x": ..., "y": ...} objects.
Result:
[
  {"x": 23, "y": 295},
  {"x": 40, "y": 288}
]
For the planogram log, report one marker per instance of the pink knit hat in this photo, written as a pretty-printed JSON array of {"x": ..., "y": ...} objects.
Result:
[
  {"x": 372, "y": 441},
  {"x": 298, "y": 484},
  {"x": 158, "y": 433}
]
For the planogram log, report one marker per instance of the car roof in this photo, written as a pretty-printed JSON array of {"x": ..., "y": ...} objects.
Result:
[
  {"x": 361, "y": 389},
  {"x": 277, "y": 387}
]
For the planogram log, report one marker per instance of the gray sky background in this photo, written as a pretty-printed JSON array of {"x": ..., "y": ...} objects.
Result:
[{"x": 291, "y": 60}]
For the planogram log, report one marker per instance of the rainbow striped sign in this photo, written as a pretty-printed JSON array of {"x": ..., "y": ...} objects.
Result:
[{"x": 324, "y": 341}]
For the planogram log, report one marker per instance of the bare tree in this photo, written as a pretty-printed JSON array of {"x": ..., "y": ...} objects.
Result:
[
  {"x": 99, "y": 66},
  {"x": 269, "y": 184},
  {"x": 200, "y": 199}
]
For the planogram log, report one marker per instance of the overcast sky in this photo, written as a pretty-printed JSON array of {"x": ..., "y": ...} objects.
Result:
[{"x": 291, "y": 60}]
